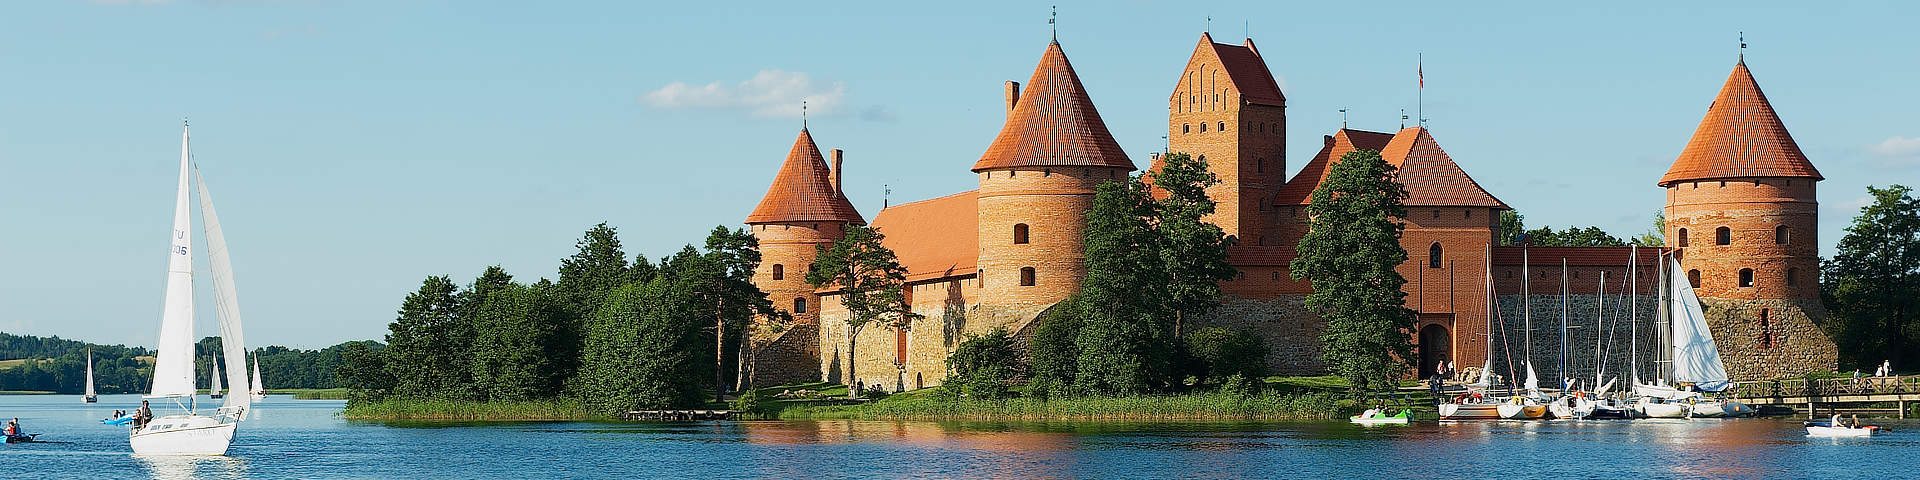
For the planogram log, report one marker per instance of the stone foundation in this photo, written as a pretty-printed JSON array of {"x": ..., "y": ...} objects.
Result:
[
  {"x": 1790, "y": 343},
  {"x": 791, "y": 356},
  {"x": 1292, "y": 333},
  {"x": 1585, "y": 329}
]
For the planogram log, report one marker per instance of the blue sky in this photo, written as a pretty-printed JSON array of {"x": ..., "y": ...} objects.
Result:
[{"x": 359, "y": 146}]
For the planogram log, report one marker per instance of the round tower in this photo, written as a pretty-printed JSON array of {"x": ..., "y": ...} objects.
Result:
[
  {"x": 1037, "y": 182},
  {"x": 803, "y": 210},
  {"x": 1742, "y": 213}
]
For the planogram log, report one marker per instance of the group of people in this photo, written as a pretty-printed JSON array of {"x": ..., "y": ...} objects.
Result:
[{"x": 13, "y": 428}]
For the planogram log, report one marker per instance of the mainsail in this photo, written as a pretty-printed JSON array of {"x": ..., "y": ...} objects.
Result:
[
  {"x": 259, "y": 387},
  {"x": 173, "y": 362},
  {"x": 215, "y": 362},
  {"x": 90, "y": 372},
  {"x": 1696, "y": 359},
  {"x": 225, "y": 299}
]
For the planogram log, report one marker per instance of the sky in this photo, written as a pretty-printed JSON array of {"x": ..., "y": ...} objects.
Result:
[{"x": 357, "y": 147}]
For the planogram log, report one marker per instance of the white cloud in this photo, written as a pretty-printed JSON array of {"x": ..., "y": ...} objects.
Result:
[
  {"x": 1898, "y": 150},
  {"x": 770, "y": 93}
]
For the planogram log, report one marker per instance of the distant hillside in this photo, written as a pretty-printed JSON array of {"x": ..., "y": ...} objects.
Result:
[{"x": 59, "y": 365}]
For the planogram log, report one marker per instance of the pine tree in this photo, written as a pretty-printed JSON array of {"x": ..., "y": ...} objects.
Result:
[
  {"x": 734, "y": 255},
  {"x": 870, "y": 279},
  {"x": 1349, "y": 254}
]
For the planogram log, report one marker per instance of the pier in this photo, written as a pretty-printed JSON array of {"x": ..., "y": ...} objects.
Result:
[
  {"x": 1833, "y": 394},
  {"x": 679, "y": 415}
]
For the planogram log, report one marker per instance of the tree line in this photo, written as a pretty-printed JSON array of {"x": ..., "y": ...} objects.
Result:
[
  {"x": 1871, "y": 286},
  {"x": 615, "y": 334},
  {"x": 60, "y": 365}
]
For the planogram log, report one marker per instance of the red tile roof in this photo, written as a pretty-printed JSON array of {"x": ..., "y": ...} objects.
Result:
[
  {"x": 1740, "y": 137},
  {"x": 1510, "y": 256},
  {"x": 933, "y": 238},
  {"x": 1248, "y": 71},
  {"x": 1053, "y": 124},
  {"x": 1260, "y": 256},
  {"x": 1299, "y": 191},
  {"x": 803, "y": 190}
]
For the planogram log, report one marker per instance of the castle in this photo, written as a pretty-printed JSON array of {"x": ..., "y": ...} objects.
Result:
[{"x": 998, "y": 256}]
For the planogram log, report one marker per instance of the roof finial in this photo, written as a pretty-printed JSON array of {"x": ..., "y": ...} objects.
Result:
[
  {"x": 1743, "y": 48},
  {"x": 803, "y": 113},
  {"x": 1246, "y": 30},
  {"x": 1053, "y": 15},
  {"x": 1403, "y": 118},
  {"x": 1209, "y": 25},
  {"x": 1343, "y": 118}
]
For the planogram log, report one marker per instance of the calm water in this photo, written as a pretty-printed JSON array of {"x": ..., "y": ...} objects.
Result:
[{"x": 289, "y": 438}]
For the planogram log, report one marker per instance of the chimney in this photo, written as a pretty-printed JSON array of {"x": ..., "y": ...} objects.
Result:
[
  {"x": 834, "y": 175},
  {"x": 1013, "y": 95},
  {"x": 1326, "y": 140}
]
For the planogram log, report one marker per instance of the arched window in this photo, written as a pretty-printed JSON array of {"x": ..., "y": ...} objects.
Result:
[
  {"x": 1693, "y": 278},
  {"x": 1223, "y": 126},
  {"x": 1723, "y": 236},
  {"x": 800, "y": 305},
  {"x": 1683, "y": 237},
  {"x": 779, "y": 272},
  {"x": 1186, "y": 128},
  {"x": 1203, "y": 127},
  {"x": 1793, "y": 276},
  {"x": 1026, "y": 276},
  {"x": 1746, "y": 277},
  {"x": 1780, "y": 235},
  {"x": 1019, "y": 233},
  {"x": 1433, "y": 255},
  {"x": 1260, "y": 165}
]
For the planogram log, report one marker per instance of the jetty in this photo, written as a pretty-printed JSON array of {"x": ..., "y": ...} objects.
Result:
[
  {"x": 1836, "y": 395},
  {"x": 679, "y": 415}
]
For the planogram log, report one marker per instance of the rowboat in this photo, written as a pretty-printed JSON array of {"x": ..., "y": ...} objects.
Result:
[{"x": 1375, "y": 417}]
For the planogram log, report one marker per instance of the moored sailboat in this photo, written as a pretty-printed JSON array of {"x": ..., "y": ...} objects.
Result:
[{"x": 191, "y": 432}]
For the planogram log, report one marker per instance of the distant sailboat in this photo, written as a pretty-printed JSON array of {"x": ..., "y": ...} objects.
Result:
[
  {"x": 259, "y": 391},
  {"x": 215, "y": 391},
  {"x": 89, "y": 397},
  {"x": 191, "y": 433}
]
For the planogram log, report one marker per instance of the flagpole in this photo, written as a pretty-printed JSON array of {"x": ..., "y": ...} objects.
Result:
[{"x": 1420, "y": 99}]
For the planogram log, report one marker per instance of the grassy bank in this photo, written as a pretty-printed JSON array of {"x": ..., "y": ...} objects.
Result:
[
  {"x": 467, "y": 410},
  {"x": 311, "y": 393},
  {"x": 1285, "y": 398}
]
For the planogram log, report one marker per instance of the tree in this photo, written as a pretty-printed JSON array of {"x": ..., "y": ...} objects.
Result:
[
  {"x": 1573, "y": 237},
  {"x": 870, "y": 279},
  {"x": 1872, "y": 286},
  {"x": 1053, "y": 358},
  {"x": 983, "y": 365},
  {"x": 1195, "y": 252},
  {"x": 643, "y": 346},
  {"x": 1225, "y": 353},
  {"x": 596, "y": 268},
  {"x": 423, "y": 359},
  {"x": 1349, "y": 254},
  {"x": 511, "y": 328},
  {"x": 1512, "y": 227},
  {"x": 363, "y": 371},
  {"x": 1657, "y": 237},
  {"x": 732, "y": 256},
  {"x": 1125, "y": 344}
]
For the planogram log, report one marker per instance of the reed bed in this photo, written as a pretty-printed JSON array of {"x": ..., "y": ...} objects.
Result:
[
  {"x": 468, "y": 410},
  {"x": 1189, "y": 406}
]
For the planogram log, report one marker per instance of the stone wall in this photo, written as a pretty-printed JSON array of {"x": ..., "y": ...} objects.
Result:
[
  {"x": 1292, "y": 333},
  {"x": 1585, "y": 330},
  {"x": 1789, "y": 343},
  {"x": 790, "y": 356}
]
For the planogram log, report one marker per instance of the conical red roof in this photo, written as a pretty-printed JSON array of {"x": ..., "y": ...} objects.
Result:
[
  {"x": 1741, "y": 137},
  {"x": 803, "y": 190},
  {"x": 1053, "y": 124}
]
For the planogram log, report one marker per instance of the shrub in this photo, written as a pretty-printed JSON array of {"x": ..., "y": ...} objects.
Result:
[
  {"x": 983, "y": 365},
  {"x": 1053, "y": 358},
  {"x": 748, "y": 402},
  {"x": 1221, "y": 353}
]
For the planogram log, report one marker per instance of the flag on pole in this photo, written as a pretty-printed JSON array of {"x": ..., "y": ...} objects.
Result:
[{"x": 1421, "y": 69}]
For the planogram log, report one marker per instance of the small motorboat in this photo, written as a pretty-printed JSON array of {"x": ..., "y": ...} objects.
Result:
[
  {"x": 21, "y": 438},
  {"x": 1829, "y": 429},
  {"x": 1376, "y": 417},
  {"x": 120, "y": 420}
]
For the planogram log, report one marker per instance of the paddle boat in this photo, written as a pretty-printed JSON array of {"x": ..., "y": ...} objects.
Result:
[
  {"x": 1377, "y": 417},
  {"x": 21, "y": 438},
  {"x": 123, "y": 419},
  {"x": 1838, "y": 429}
]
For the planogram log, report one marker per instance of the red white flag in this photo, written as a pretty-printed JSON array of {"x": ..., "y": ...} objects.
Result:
[{"x": 1421, "y": 69}]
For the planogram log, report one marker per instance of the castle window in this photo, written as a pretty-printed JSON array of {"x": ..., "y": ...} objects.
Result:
[
  {"x": 1260, "y": 240},
  {"x": 1046, "y": 172},
  {"x": 1723, "y": 236},
  {"x": 1436, "y": 213},
  {"x": 1723, "y": 184},
  {"x": 1186, "y": 128},
  {"x": 779, "y": 272},
  {"x": 1019, "y": 233},
  {"x": 1260, "y": 165},
  {"x": 800, "y": 305},
  {"x": 1746, "y": 277},
  {"x": 1509, "y": 273},
  {"x": 1203, "y": 127},
  {"x": 1223, "y": 126},
  {"x": 1780, "y": 235},
  {"x": 1026, "y": 276},
  {"x": 1766, "y": 330},
  {"x": 1433, "y": 255},
  {"x": 1469, "y": 213},
  {"x": 1276, "y": 275},
  {"x": 1793, "y": 276},
  {"x": 1293, "y": 211},
  {"x": 1683, "y": 237},
  {"x": 1693, "y": 278},
  {"x": 900, "y": 346}
]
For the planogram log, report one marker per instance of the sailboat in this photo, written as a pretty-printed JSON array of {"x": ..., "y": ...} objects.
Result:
[
  {"x": 194, "y": 431},
  {"x": 214, "y": 393},
  {"x": 1476, "y": 403},
  {"x": 1695, "y": 364},
  {"x": 89, "y": 397},
  {"x": 259, "y": 391}
]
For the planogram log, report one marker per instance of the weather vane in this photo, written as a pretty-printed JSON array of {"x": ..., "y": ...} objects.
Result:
[
  {"x": 1052, "y": 16},
  {"x": 803, "y": 113},
  {"x": 1343, "y": 117},
  {"x": 1743, "y": 47}
]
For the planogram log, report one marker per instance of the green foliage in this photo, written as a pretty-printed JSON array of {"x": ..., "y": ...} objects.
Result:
[
  {"x": 1573, "y": 237},
  {"x": 363, "y": 371},
  {"x": 984, "y": 366},
  {"x": 1872, "y": 286},
  {"x": 426, "y": 351},
  {"x": 1125, "y": 343},
  {"x": 733, "y": 255},
  {"x": 54, "y": 364},
  {"x": 869, "y": 278},
  {"x": 1222, "y": 353},
  {"x": 1053, "y": 357},
  {"x": 1350, "y": 254},
  {"x": 643, "y": 347},
  {"x": 1657, "y": 237},
  {"x": 557, "y": 409},
  {"x": 512, "y": 328},
  {"x": 749, "y": 402},
  {"x": 1512, "y": 226},
  {"x": 1213, "y": 405},
  {"x": 1194, "y": 252},
  {"x": 596, "y": 268}
]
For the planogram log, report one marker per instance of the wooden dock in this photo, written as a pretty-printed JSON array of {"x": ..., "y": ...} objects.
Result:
[
  {"x": 679, "y": 415},
  {"x": 1833, "y": 395}
]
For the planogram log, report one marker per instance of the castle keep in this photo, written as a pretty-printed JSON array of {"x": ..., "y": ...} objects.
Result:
[{"x": 1740, "y": 208}]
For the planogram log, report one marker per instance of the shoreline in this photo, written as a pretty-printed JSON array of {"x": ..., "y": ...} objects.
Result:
[{"x": 402, "y": 409}]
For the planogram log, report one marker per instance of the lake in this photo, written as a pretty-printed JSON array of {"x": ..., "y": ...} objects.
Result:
[{"x": 289, "y": 438}]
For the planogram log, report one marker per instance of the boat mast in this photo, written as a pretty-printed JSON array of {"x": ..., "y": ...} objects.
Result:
[
  {"x": 1663, "y": 336},
  {"x": 1599, "y": 325},
  {"x": 1633, "y": 310},
  {"x": 1526, "y": 306},
  {"x": 1563, "y": 321}
]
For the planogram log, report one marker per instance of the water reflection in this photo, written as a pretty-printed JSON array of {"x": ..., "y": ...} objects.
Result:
[{"x": 178, "y": 467}]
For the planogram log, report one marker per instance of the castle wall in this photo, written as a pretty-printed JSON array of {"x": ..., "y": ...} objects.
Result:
[
  {"x": 1291, "y": 332},
  {"x": 788, "y": 248},
  {"x": 1784, "y": 341},
  {"x": 947, "y": 317},
  {"x": 1592, "y": 321},
  {"x": 1751, "y": 209},
  {"x": 1052, "y": 203},
  {"x": 1452, "y": 295}
]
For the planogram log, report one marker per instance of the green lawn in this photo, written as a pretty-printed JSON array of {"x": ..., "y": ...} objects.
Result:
[{"x": 1285, "y": 398}]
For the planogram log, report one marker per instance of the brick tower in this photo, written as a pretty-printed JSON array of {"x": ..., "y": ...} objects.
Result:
[
  {"x": 1741, "y": 209},
  {"x": 803, "y": 209},
  {"x": 1037, "y": 182},
  {"x": 1227, "y": 109}
]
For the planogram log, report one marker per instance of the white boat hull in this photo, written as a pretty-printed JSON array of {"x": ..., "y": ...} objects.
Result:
[
  {"x": 1469, "y": 411},
  {"x": 1707, "y": 410},
  {"x": 1838, "y": 432},
  {"x": 183, "y": 435},
  {"x": 1560, "y": 410},
  {"x": 1661, "y": 410}
]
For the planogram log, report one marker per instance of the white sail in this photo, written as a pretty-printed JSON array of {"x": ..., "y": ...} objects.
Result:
[
  {"x": 259, "y": 387},
  {"x": 1696, "y": 359},
  {"x": 90, "y": 372},
  {"x": 215, "y": 391},
  {"x": 225, "y": 299},
  {"x": 173, "y": 362},
  {"x": 1533, "y": 381}
]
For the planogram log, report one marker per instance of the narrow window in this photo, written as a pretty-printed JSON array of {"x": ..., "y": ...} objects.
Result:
[
  {"x": 1026, "y": 276},
  {"x": 1260, "y": 165},
  {"x": 1260, "y": 240},
  {"x": 779, "y": 272},
  {"x": 900, "y": 345},
  {"x": 1223, "y": 126},
  {"x": 1509, "y": 273},
  {"x": 1433, "y": 255},
  {"x": 1693, "y": 278},
  {"x": 1780, "y": 235},
  {"x": 1766, "y": 330},
  {"x": 1793, "y": 276},
  {"x": 1683, "y": 237},
  {"x": 800, "y": 305},
  {"x": 1469, "y": 213},
  {"x": 1293, "y": 211},
  {"x": 1436, "y": 213},
  {"x": 1186, "y": 128},
  {"x": 1019, "y": 234},
  {"x": 1203, "y": 127},
  {"x": 1723, "y": 236},
  {"x": 1276, "y": 275},
  {"x": 1746, "y": 277}
]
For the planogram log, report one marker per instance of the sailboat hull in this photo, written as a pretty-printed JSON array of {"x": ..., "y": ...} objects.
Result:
[
  {"x": 1521, "y": 412},
  {"x": 183, "y": 435},
  {"x": 1469, "y": 411},
  {"x": 1661, "y": 410},
  {"x": 89, "y": 399}
]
